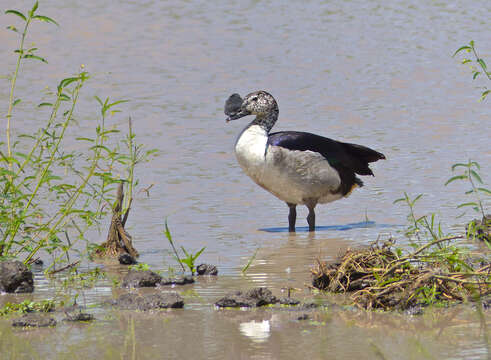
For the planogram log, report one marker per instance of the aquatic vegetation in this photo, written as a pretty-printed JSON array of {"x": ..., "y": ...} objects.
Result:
[
  {"x": 51, "y": 196},
  {"x": 27, "y": 306},
  {"x": 140, "y": 267},
  {"x": 249, "y": 262},
  {"x": 477, "y": 229},
  {"x": 481, "y": 67},
  {"x": 189, "y": 259}
]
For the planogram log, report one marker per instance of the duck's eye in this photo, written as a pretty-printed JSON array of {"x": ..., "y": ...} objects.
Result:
[{"x": 254, "y": 98}]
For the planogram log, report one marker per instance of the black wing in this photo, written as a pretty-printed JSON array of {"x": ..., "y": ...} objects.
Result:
[{"x": 348, "y": 159}]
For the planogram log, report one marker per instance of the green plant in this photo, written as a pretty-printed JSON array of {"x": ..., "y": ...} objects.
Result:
[
  {"x": 49, "y": 194},
  {"x": 27, "y": 306},
  {"x": 249, "y": 262},
  {"x": 189, "y": 259},
  {"x": 426, "y": 223},
  {"x": 140, "y": 267},
  {"x": 470, "y": 173},
  {"x": 481, "y": 67}
]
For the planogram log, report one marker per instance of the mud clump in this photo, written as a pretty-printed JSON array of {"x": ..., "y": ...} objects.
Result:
[
  {"x": 183, "y": 280},
  {"x": 207, "y": 269},
  {"x": 146, "y": 278},
  {"x": 15, "y": 277},
  {"x": 79, "y": 316},
  {"x": 126, "y": 259},
  {"x": 132, "y": 301},
  {"x": 252, "y": 298},
  {"x": 480, "y": 229},
  {"x": 380, "y": 277},
  {"x": 33, "y": 320}
]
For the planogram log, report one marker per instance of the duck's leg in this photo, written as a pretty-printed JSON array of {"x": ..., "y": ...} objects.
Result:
[
  {"x": 292, "y": 217},
  {"x": 311, "y": 216}
]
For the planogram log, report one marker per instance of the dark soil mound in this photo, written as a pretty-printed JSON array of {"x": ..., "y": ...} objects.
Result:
[
  {"x": 183, "y": 280},
  {"x": 146, "y": 302},
  {"x": 255, "y": 297},
  {"x": 15, "y": 277},
  {"x": 207, "y": 269},
  {"x": 34, "y": 320},
  {"x": 146, "y": 278}
]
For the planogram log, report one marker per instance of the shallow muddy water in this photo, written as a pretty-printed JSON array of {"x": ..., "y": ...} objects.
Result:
[{"x": 376, "y": 73}]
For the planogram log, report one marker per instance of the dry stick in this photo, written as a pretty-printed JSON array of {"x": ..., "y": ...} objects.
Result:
[
  {"x": 64, "y": 268},
  {"x": 460, "y": 281}
]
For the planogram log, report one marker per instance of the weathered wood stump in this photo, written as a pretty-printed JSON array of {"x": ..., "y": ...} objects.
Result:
[{"x": 118, "y": 240}]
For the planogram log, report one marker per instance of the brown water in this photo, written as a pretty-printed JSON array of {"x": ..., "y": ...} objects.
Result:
[{"x": 370, "y": 72}]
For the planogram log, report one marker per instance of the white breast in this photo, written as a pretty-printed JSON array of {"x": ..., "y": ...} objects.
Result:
[{"x": 250, "y": 150}]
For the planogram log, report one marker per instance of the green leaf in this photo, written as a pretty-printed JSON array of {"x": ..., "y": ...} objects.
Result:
[
  {"x": 476, "y": 176},
  {"x": 199, "y": 252},
  {"x": 184, "y": 251},
  {"x": 483, "y": 190},
  {"x": 84, "y": 139},
  {"x": 454, "y": 166},
  {"x": 34, "y": 8},
  {"x": 476, "y": 73},
  {"x": 65, "y": 82},
  {"x": 457, "y": 177},
  {"x": 466, "y": 204},
  {"x": 18, "y": 13},
  {"x": 417, "y": 198},
  {"x": 398, "y": 200},
  {"x": 16, "y": 102},
  {"x": 45, "y": 104},
  {"x": 482, "y": 63},
  {"x": 465, "y": 47},
  {"x": 45, "y": 19},
  {"x": 98, "y": 100},
  {"x": 13, "y": 28},
  {"x": 484, "y": 94},
  {"x": 30, "y": 56}
]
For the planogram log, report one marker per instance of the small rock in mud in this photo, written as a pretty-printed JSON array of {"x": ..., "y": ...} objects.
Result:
[
  {"x": 126, "y": 259},
  {"x": 183, "y": 280},
  {"x": 207, "y": 269},
  {"x": 289, "y": 301},
  {"x": 15, "y": 277},
  {"x": 146, "y": 302},
  {"x": 303, "y": 317},
  {"x": 144, "y": 278},
  {"x": 33, "y": 320},
  {"x": 80, "y": 316},
  {"x": 255, "y": 297}
]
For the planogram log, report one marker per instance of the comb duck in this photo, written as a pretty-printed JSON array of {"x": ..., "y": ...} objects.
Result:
[{"x": 299, "y": 168}]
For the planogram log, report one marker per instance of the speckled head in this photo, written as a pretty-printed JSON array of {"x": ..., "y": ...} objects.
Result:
[{"x": 259, "y": 103}]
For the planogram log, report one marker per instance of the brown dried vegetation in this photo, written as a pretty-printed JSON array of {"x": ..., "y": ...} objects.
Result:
[{"x": 379, "y": 277}]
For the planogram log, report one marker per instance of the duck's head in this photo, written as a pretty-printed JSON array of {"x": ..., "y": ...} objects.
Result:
[{"x": 259, "y": 103}]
